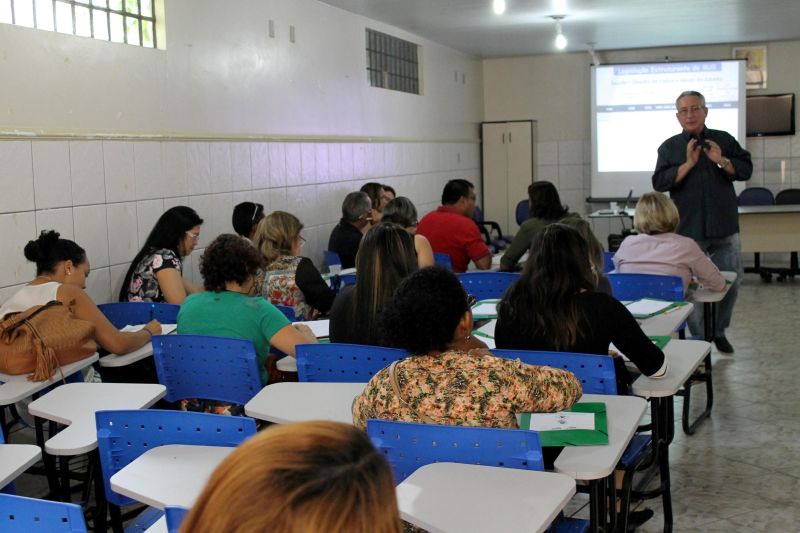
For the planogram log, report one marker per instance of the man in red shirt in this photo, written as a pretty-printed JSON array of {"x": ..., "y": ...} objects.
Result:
[{"x": 451, "y": 230}]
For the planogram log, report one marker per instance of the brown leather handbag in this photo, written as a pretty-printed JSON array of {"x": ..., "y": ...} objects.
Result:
[{"x": 39, "y": 340}]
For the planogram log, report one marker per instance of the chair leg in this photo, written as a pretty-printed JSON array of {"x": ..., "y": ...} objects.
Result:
[{"x": 116, "y": 518}]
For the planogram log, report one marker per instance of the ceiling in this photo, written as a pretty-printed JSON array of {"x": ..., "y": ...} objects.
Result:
[{"x": 527, "y": 29}]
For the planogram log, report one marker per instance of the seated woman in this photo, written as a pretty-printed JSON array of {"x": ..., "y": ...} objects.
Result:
[
  {"x": 61, "y": 271},
  {"x": 155, "y": 272},
  {"x": 306, "y": 476},
  {"x": 245, "y": 219},
  {"x": 289, "y": 279},
  {"x": 378, "y": 197},
  {"x": 402, "y": 212},
  {"x": 657, "y": 249},
  {"x": 544, "y": 207},
  {"x": 554, "y": 306},
  {"x": 451, "y": 378},
  {"x": 385, "y": 257},
  {"x": 229, "y": 266}
]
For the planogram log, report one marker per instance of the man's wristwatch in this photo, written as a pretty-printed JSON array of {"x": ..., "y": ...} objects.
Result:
[{"x": 725, "y": 162}]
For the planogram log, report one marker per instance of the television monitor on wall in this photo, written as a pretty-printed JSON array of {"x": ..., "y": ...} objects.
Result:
[{"x": 770, "y": 114}]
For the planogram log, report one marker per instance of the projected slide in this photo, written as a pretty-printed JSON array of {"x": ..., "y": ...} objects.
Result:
[{"x": 633, "y": 112}]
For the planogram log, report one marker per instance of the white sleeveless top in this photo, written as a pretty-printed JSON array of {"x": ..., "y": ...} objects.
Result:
[{"x": 30, "y": 295}]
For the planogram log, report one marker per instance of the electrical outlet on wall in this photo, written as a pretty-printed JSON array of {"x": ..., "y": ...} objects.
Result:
[
  {"x": 271, "y": 29},
  {"x": 291, "y": 34}
]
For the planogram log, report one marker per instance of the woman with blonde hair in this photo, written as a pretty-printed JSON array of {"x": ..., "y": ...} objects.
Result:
[
  {"x": 302, "y": 477},
  {"x": 657, "y": 249},
  {"x": 401, "y": 211},
  {"x": 289, "y": 279}
]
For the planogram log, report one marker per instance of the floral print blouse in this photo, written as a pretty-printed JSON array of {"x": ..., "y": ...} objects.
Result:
[
  {"x": 144, "y": 284},
  {"x": 277, "y": 284},
  {"x": 466, "y": 389}
]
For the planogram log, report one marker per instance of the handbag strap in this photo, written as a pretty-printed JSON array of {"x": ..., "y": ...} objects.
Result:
[{"x": 396, "y": 388}]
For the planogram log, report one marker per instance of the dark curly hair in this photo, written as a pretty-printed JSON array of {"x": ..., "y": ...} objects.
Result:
[
  {"x": 50, "y": 249},
  {"x": 229, "y": 258},
  {"x": 425, "y": 312}
]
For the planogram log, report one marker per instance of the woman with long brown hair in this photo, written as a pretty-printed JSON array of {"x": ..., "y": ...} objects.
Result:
[{"x": 303, "y": 477}]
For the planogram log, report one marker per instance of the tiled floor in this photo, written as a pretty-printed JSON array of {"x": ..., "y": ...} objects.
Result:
[{"x": 741, "y": 469}]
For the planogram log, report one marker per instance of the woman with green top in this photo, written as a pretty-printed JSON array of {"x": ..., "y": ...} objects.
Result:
[{"x": 228, "y": 267}]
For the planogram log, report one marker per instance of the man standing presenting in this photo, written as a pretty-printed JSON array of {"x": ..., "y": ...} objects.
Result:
[
  {"x": 698, "y": 167},
  {"x": 451, "y": 230}
]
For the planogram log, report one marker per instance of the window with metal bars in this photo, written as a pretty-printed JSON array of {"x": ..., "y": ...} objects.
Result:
[
  {"x": 392, "y": 63},
  {"x": 118, "y": 21}
]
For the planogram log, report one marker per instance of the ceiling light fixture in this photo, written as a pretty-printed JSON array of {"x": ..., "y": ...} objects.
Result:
[
  {"x": 561, "y": 41},
  {"x": 499, "y": 6}
]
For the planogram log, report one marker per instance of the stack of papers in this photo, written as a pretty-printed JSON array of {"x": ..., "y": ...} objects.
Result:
[
  {"x": 166, "y": 329},
  {"x": 320, "y": 328},
  {"x": 485, "y": 309},
  {"x": 647, "y": 307},
  {"x": 585, "y": 424}
]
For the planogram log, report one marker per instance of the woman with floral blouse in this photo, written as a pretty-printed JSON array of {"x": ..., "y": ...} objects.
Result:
[{"x": 453, "y": 378}]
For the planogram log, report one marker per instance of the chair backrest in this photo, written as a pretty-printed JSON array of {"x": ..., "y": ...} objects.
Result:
[
  {"x": 347, "y": 279},
  {"x": 788, "y": 197},
  {"x": 175, "y": 516},
  {"x": 122, "y": 436},
  {"x": 409, "y": 446},
  {"x": 608, "y": 262},
  {"x": 332, "y": 258},
  {"x": 288, "y": 312},
  {"x": 523, "y": 208},
  {"x": 756, "y": 196},
  {"x": 343, "y": 363},
  {"x": 30, "y": 515},
  {"x": 637, "y": 286},
  {"x": 477, "y": 214},
  {"x": 443, "y": 260},
  {"x": 487, "y": 285},
  {"x": 123, "y": 314},
  {"x": 211, "y": 368},
  {"x": 596, "y": 372}
]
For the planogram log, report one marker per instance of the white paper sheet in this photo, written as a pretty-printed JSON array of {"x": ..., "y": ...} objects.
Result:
[
  {"x": 646, "y": 306},
  {"x": 166, "y": 329},
  {"x": 485, "y": 308},
  {"x": 562, "y": 420},
  {"x": 488, "y": 328},
  {"x": 320, "y": 328}
]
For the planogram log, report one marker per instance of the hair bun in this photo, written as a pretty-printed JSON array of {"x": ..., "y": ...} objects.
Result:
[{"x": 36, "y": 250}]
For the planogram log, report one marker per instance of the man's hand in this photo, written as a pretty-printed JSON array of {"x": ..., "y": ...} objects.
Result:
[
  {"x": 692, "y": 153},
  {"x": 713, "y": 152}
]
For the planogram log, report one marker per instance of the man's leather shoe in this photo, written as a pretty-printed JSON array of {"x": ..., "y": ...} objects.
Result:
[{"x": 723, "y": 346}]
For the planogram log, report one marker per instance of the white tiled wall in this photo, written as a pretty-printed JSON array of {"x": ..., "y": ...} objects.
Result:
[{"x": 107, "y": 194}]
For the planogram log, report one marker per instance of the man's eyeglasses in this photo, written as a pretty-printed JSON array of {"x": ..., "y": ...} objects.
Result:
[{"x": 686, "y": 111}]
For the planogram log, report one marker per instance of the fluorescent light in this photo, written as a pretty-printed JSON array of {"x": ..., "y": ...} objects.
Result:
[
  {"x": 561, "y": 41},
  {"x": 499, "y": 6},
  {"x": 560, "y": 6}
]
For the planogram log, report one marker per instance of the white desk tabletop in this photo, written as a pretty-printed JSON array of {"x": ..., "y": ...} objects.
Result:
[
  {"x": 666, "y": 323},
  {"x": 169, "y": 475},
  {"x": 296, "y": 402},
  {"x": 75, "y": 404},
  {"x": 683, "y": 356},
  {"x": 768, "y": 209},
  {"x": 15, "y": 459},
  {"x": 114, "y": 360},
  {"x": 16, "y": 388},
  {"x": 597, "y": 462},
  {"x": 449, "y": 497},
  {"x": 703, "y": 295},
  {"x": 287, "y": 364}
]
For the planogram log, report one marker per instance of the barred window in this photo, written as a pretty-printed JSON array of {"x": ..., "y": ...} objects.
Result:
[
  {"x": 118, "y": 21},
  {"x": 392, "y": 63}
]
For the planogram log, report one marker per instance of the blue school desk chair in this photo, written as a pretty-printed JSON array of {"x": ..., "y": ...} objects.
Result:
[
  {"x": 343, "y": 363},
  {"x": 638, "y": 286},
  {"x": 175, "y": 516},
  {"x": 487, "y": 285},
  {"x": 123, "y": 314},
  {"x": 288, "y": 312},
  {"x": 443, "y": 260},
  {"x": 31, "y": 515}
]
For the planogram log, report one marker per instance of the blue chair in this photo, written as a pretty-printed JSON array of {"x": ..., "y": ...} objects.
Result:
[
  {"x": 347, "y": 279},
  {"x": 288, "y": 312},
  {"x": 30, "y": 515},
  {"x": 487, "y": 285},
  {"x": 637, "y": 286},
  {"x": 332, "y": 258},
  {"x": 123, "y": 314},
  {"x": 443, "y": 260},
  {"x": 608, "y": 262},
  {"x": 596, "y": 372},
  {"x": 788, "y": 197},
  {"x": 343, "y": 363},
  {"x": 211, "y": 368},
  {"x": 175, "y": 516},
  {"x": 486, "y": 227},
  {"x": 522, "y": 211},
  {"x": 409, "y": 446},
  {"x": 122, "y": 436}
]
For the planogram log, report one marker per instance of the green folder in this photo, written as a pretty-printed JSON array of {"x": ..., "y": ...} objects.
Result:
[
  {"x": 660, "y": 340},
  {"x": 575, "y": 437},
  {"x": 480, "y": 316}
]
